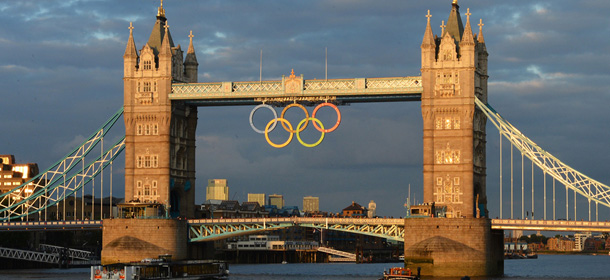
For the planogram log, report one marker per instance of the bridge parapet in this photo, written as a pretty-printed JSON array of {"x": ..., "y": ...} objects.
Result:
[
  {"x": 304, "y": 88},
  {"x": 550, "y": 225}
]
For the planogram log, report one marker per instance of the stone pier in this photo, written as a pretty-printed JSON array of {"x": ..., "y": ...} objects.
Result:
[
  {"x": 454, "y": 247},
  {"x": 127, "y": 240}
]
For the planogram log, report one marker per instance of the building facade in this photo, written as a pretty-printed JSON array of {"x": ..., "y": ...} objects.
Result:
[
  {"x": 454, "y": 72},
  {"x": 159, "y": 133},
  {"x": 311, "y": 204},
  {"x": 257, "y": 197},
  {"x": 13, "y": 175},
  {"x": 217, "y": 189},
  {"x": 277, "y": 200}
]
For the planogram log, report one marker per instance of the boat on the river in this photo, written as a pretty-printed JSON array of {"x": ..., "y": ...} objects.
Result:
[
  {"x": 161, "y": 270},
  {"x": 400, "y": 273}
]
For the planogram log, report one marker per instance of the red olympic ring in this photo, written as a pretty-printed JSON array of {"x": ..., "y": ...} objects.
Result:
[
  {"x": 313, "y": 115},
  {"x": 306, "y": 116}
]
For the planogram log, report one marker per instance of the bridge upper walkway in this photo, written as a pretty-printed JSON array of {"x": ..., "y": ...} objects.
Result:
[{"x": 298, "y": 89}]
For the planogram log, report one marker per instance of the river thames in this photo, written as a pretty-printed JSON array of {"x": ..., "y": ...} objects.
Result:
[{"x": 546, "y": 267}]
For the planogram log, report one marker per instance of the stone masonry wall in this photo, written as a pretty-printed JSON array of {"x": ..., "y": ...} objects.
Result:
[
  {"x": 453, "y": 247},
  {"x": 127, "y": 240}
]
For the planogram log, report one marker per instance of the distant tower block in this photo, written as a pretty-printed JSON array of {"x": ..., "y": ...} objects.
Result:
[
  {"x": 372, "y": 211},
  {"x": 257, "y": 197},
  {"x": 217, "y": 189},
  {"x": 311, "y": 204},
  {"x": 454, "y": 71},
  {"x": 277, "y": 200}
]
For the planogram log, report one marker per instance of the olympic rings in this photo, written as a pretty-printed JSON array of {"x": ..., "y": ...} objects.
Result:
[
  {"x": 252, "y": 114},
  {"x": 274, "y": 121},
  {"x": 300, "y": 127},
  {"x": 313, "y": 115},
  {"x": 314, "y": 120},
  {"x": 304, "y": 110}
]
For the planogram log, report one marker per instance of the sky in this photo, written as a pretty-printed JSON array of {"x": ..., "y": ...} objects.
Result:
[{"x": 549, "y": 73}]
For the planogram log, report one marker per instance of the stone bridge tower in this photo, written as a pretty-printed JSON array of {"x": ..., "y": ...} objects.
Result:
[
  {"x": 454, "y": 71},
  {"x": 160, "y": 133}
]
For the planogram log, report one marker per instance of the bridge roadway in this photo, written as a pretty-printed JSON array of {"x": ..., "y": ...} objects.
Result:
[
  {"x": 213, "y": 229},
  {"x": 293, "y": 88}
]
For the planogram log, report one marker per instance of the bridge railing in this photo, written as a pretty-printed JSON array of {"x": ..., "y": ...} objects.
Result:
[
  {"x": 300, "y": 220},
  {"x": 262, "y": 89}
]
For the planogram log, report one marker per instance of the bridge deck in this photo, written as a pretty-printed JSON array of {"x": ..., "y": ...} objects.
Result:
[{"x": 291, "y": 89}]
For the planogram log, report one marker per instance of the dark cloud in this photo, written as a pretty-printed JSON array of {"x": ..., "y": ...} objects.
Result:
[{"x": 61, "y": 73}]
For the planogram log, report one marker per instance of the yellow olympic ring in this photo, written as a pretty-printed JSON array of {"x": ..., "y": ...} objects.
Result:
[
  {"x": 282, "y": 120},
  {"x": 314, "y": 120},
  {"x": 304, "y": 110},
  {"x": 313, "y": 115}
]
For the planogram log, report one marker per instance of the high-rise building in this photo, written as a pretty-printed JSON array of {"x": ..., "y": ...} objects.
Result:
[
  {"x": 277, "y": 200},
  {"x": 311, "y": 204},
  {"x": 13, "y": 175},
  {"x": 257, "y": 197},
  {"x": 217, "y": 189},
  {"x": 372, "y": 211}
]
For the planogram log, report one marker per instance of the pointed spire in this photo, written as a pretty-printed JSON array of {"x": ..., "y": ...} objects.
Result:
[
  {"x": 191, "y": 58},
  {"x": 428, "y": 35},
  {"x": 480, "y": 36},
  {"x": 157, "y": 34},
  {"x": 455, "y": 28},
  {"x": 161, "y": 11},
  {"x": 467, "y": 38},
  {"x": 165, "y": 45},
  {"x": 130, "y": 50}
]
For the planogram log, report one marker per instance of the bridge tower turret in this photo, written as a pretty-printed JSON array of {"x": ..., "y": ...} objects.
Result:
[
  {"x": 160, "y": 133},
  {"x": 454, "y": 71}
]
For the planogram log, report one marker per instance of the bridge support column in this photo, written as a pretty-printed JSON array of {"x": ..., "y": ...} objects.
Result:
[
  {"x": 128, "y": 240},
  {"x": 453, "y": 247}
]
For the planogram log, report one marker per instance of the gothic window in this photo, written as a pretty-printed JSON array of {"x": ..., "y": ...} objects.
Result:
[
  {"x": 155, "y": 129},
  {"x": 139, "y": 194},
  {"x": 154, "y": 184},
  {"x": 139, "y": 130},
  {"x": 146, "y": 86},
  {"x": 155, "y": 86},
  {"x": 456, "y": 181},
  {"x": 139, "y": 162},
  {"x": 439, "y": 181},
  {"x": 147, "y": 162},
  {"x": 147, "y": 65},
  {"x": 456, "y": 123},
  {"x": 155, "y": 161},
  {"x": 439, "y": 123},
  {"x": 147, "y": 190},
  {"x": 139, "y": 184},
  {"x": 139, "y": 84},
  {"x": 147, "y": 129},
  {"x": 448, "y": 123}
]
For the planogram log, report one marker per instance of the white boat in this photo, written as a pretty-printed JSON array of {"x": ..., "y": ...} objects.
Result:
[{"x": 161, "y": 270}]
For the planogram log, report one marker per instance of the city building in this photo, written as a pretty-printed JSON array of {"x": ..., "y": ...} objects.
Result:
[
  {"x": 560, "y": 244},
  {"x": 277, "y": 200},
  {"x": 579, "y": 240},
  {"x": 217, "y": 189},
  {"x": 13, "y": 175},
  {"x": 372, "y": 209},
  {"x": 355, "y": 210},
  {"x": 311, "y": 204},
  {"x": 257, "y": 197}
]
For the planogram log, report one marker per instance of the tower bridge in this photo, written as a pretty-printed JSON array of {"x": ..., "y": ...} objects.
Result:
[{"x": 162, "y": 97}]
